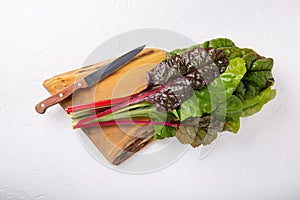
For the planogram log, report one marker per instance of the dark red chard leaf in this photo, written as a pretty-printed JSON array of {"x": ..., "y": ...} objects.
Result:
[
  {"x": 179, "y": 75},
  {"x": 170, "y": 98},
  {"x": 199, "y": 130},
  {"x": 219, "y": 57}
]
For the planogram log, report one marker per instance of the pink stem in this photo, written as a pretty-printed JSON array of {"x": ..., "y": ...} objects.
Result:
[
  {"x": 108, "y": 111},
  {"x": 108, "y": 102},
  {"x": 122, "y": 122}
]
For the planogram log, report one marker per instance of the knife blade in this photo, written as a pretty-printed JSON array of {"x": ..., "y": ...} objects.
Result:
[{"x": 89, "y": 80}]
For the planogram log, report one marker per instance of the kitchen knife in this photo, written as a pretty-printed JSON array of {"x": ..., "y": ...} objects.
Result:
[{"x": 88, "y": 81}]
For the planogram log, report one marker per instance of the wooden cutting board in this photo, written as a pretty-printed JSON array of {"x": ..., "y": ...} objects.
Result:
[{"x": 117, "y": 143}]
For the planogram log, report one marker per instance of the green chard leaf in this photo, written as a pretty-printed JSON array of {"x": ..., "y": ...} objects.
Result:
[
  {"x": 255, "y": 104},
  {"x": 230, "y": 79},
  {"x": 190, "y": 108},
  {"x": 232, "y": 125},
  {"x": 234, "y": 107},
  {"x": 206, "y": 100},
  {"x": 218, "y": 43},
  {"x": 256, "y": 80},
  {"x": 161, "y": 131},
  {"x": 231, "y": 109},
  {"x": 198, "y": 131},
  {"x": 230, "y": 112}
]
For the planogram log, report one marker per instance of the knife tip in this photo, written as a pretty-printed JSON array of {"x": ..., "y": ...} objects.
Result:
[{"x": 141, "y": 47}]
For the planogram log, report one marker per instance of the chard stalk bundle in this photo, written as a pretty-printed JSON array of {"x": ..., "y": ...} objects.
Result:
[{"x": 193, "y": 94}]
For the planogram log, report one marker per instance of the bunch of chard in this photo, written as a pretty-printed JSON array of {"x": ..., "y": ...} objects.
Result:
[{"x": 193, "y": 94}]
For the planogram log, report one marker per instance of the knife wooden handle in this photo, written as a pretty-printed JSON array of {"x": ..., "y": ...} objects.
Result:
[{"x": 58, "y": 97}]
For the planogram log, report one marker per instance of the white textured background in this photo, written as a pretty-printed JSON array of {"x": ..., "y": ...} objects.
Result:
[{"x": 41, "y": 157}]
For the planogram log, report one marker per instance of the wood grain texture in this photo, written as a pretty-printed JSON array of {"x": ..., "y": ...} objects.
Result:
[{"x": 117, "y": 143}]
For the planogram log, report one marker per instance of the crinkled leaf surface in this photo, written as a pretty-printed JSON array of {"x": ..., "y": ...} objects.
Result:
[
  {"x": 254, "y": 105},
  {"x": 240, "y": 91},
  {"x": 179, "y": 75},
  {"x": 199, "y": 130},
  {"x": 207, "y": 99}
]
